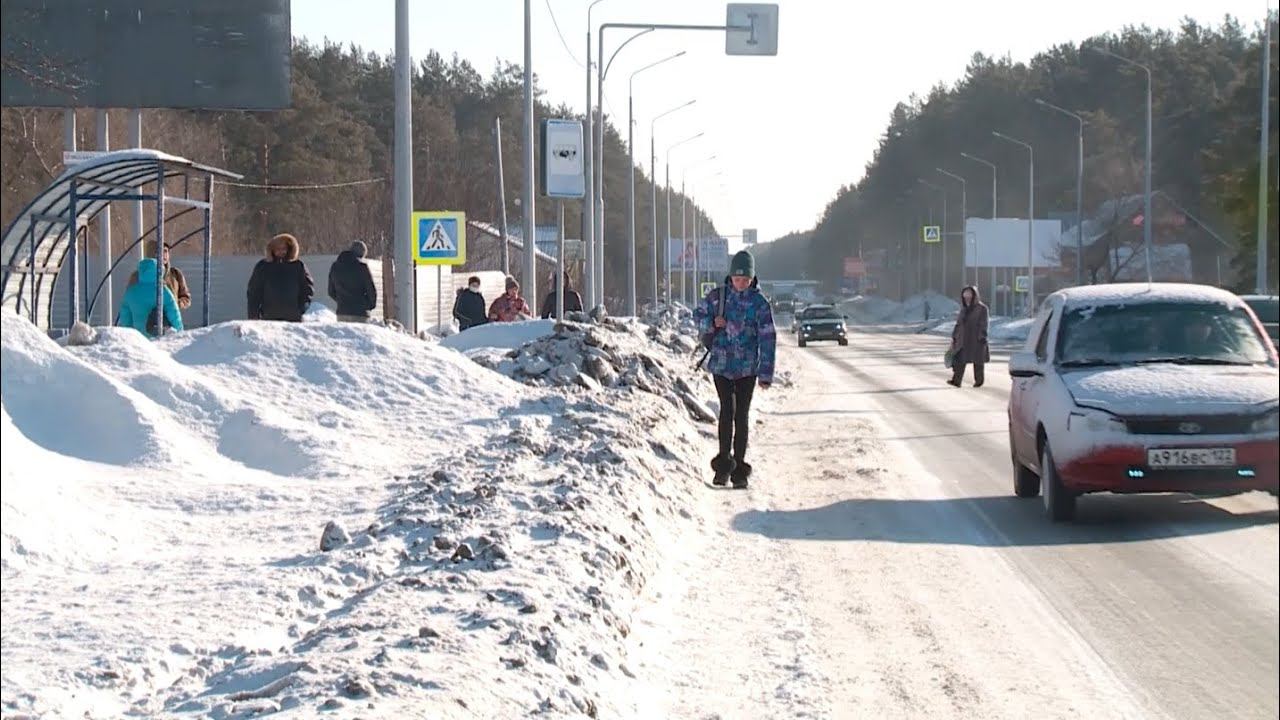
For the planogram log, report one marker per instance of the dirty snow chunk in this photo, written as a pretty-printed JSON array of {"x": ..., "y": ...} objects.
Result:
[
  {"x": 82, "y": 334},
  {"x": 333, "y": 537}
]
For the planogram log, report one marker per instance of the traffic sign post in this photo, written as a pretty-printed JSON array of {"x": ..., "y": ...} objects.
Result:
[
  {"x": 749, "y": 236},
  {"x": 706, "y": 288},
  {"x": 932, "y": 234},
  {"x": 1021, "y": 283},
  {"x": 439, "y": 238}
]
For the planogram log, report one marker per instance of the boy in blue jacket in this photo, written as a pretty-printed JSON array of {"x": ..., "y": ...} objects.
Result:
[
  {"x": 741, "y": 356},
  {"x": 139, "y": 303}
]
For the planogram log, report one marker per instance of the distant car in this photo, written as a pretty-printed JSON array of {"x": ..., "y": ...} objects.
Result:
[
  {"x": 1267, "y": 308},
  {"x": 1136, "y": 388},
  {"x": 821, "y": 322}
]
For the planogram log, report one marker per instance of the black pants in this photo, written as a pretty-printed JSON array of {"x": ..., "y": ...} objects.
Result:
[
  {"x": 957, "y": 372},
  {"x": 735, "y": 414}
]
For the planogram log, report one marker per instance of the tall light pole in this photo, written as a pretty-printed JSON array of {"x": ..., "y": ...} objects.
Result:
[
  {"x": 403, "y": 193},
  {"x": 530, "y": 285},
  {"x": 668, "y": 183},
  {"x": 1079, "y": 185},
  {"x": 994, "y": 216},
  {"x": 684, "y": 236},
  {"x": 1147, "y": 220},
  {"x": 1031, "y": 219},
  {"x": 653, "y": 177},
  {"x": 964, "y": 214},
  {"x": 631, "y": 184},
  {"x": 1264, "y": 174},
  {"x": 588, "y": 199},
  {"x": 943, "y": 235}
]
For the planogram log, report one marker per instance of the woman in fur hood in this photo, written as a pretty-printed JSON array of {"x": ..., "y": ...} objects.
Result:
[{"x": 280, "y": 287}]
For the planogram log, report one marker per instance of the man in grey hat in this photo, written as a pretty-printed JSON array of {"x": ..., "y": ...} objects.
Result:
[{"x": 351, "y": 285}]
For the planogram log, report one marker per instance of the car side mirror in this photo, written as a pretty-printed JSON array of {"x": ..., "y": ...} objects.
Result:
[{"x": 1024, "y": 365}]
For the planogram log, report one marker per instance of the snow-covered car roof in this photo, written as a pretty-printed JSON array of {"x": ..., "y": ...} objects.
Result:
[{"x": 1142, "y": 293}]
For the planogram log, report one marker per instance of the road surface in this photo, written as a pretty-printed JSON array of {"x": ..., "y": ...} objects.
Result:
[{"x": 880, "y": 567}]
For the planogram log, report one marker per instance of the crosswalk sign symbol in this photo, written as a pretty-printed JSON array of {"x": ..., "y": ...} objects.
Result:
[
  {"x": 932, "y": 234},
  {"x": 439, "y": 238}
]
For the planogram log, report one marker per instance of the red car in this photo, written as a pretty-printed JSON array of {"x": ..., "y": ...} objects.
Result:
[{"x": 1137, "y": 388}]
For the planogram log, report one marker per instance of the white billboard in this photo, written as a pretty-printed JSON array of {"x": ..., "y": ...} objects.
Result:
[
  {"x": 563, "y": 173},
  {"x": 714, "y": 257},
  {"x": 1002, "y": 243}
]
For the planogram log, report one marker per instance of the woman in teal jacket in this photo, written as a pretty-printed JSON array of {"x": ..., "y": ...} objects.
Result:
[{"x": 140, "y": 302}]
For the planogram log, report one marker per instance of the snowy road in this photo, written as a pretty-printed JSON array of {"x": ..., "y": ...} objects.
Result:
[{"x": 880, "y": 567}]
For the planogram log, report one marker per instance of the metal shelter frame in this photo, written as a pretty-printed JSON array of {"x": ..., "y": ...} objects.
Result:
[{"x": 42, "y": 241}]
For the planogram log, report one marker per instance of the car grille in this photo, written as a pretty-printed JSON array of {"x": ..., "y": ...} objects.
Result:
[{"x": 1192, "y": 425}]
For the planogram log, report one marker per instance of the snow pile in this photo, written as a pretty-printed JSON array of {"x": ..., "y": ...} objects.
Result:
[
  {"x": 873, "y": 310},
  {"x": 166, "y": 502},
  {"x": 620, "y": 353},
  {"x": 675, "y": 317},
  {"x": 998, "y": 328},
  {"x": 504, "y": 336}
]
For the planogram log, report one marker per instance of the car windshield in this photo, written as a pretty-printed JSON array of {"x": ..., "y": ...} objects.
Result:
[
  {"x": 821, "y": 314},
  {"x": 1267, "y": 309},
  {"x": 1189, "y": 333}
]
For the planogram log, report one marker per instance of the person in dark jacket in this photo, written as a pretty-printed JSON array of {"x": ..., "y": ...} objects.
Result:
[
  {"x": 351, "y": 285},
  {"x": 969, "y": 338},
  {"x": 741, "y": 355},
  {"x": 572, "y": 300},
  {"x": 280, "y": 287},
  {"x": 468, "y": 306}
]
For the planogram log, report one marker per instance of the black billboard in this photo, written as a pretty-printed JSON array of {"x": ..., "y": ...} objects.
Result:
[{"x": 195, "y": 54}]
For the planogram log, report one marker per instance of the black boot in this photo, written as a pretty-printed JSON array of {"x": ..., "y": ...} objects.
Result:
[
  {"x": 740, "y": 475},
  {"x": 723, "y": 467}
]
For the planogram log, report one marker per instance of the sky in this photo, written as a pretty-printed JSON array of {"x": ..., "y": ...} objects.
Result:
[{"x": 782, "y": 133}]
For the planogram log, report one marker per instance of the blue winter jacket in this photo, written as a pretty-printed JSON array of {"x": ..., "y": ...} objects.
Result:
[
  {"x": 747, "y": 344},
  {"x": 140, "y": 300}
]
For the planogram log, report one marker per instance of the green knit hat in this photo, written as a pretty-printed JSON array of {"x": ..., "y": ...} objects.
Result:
[{"x": 742, "y": 265}]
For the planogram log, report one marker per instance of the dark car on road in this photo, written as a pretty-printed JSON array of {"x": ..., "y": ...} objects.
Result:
[{"x": 821, "y": 322}]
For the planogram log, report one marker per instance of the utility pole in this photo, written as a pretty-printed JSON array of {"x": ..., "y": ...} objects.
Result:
[
  {"x": 530, "y": 284},
  {"x": 1264, "y": 174},
  {"x": 502, "y": 197},
  {"x": 406, "y": 306}
]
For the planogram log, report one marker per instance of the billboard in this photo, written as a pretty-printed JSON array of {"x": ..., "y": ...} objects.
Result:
[
  {"x": 854, "y": 267},
  {"x": 192, "y": 54},
  {"x": 714, "y": 258},
  {"x": 1002, "y": 243},
  {"x": 563, "y": 174}
]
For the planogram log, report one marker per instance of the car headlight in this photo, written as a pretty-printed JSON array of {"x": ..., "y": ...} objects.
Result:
[
  {"x": 1268, "y": 424},
  {"x": 1095, "y": 421},
  {"x": 807, "y": 328}
]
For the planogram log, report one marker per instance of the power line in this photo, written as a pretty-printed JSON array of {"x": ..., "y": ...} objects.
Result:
[
  {"x": 563, "y": 42},
  {"x": 322, "y": 186}
]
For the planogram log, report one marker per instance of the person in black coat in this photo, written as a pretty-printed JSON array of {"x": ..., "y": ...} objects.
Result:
[
  {"x": 351, "y": 285},
  {"x": 280, "y": 287},
  {"x": 572, "y": 300},
  {"x": 469, "y": 306}
]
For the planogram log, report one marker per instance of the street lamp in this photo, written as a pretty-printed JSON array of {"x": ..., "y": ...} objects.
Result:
[
  {"x": 1079, "y": 186},
  {"x": 1146, "y": 191},
  {"x": 653, "y": 205},
  {"x": 684, "y": 237},
  {"x": 964, "y": 214},
  {"x": 1031, "y": 213},
  {"x": 631, "y": 184},
  {"x": 994, "y": 216},
  {"x": 668, "y": 183},
  {"x": 588, "y": 199}
]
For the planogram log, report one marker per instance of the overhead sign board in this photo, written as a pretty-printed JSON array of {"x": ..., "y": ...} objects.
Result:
[
  {"x": 932, "y": 234},
  {"x": 1002, "y": 243},
  {"x": 563, "y": 174},
  {"x": 439, "y": 238},
  {"x": 752, "y": 29},
  {"x": 750, "y": 236}
]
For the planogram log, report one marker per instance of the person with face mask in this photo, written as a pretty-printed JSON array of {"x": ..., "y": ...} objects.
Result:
[
  {"x": 736, "y": 322},
  {"x": 468, "y": 306}
]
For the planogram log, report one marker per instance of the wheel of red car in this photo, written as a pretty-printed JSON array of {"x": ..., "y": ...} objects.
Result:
[
  {"x": 1025, "y": 482},
  {"x": 1059, "y": 502}
]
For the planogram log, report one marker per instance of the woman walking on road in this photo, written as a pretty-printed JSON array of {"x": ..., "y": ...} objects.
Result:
[
  {"x": 969, "y": 338},
  {"x": 738, "y": 321}
]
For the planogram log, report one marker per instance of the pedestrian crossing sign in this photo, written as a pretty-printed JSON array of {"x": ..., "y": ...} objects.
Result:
[
  {"x": 706, "y": 288},
  {"x": 439, "y": 238},
  {"x": 932, "y": 234}
]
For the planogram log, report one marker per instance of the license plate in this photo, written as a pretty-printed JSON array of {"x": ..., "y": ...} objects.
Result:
[{"x": 1191, "y": 457}]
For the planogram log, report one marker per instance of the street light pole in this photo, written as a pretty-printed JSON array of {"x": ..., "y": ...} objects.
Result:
[
  {"x": 964, "y": 215},
  {"x": 530, "y": 284},
  {"x": 1031, "y": 222},
  {"x": 1147, "y": 220},
  {"x": 653, "y": 175},
  {"x": 1079, "y": 186},
  {"x": 673, "y": 147},
  {"x": 1264, "y": 175},
  {"x": 588, "y": 199},
  {"x": 684, "y": 238},
  {"x": 994, "y": 215},
  {"x": 631, "y": 184},
  {"x": 405, "y": 304}
]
